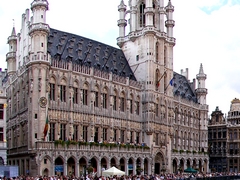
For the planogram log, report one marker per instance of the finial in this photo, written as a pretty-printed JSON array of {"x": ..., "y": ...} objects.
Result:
[
  {"x": 13, "y": 29},
  {"x": 201, "y": 69}
]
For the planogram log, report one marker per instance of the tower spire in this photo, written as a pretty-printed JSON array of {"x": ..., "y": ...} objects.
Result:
[
  {"x": 169, "y": 23},
  {"x": 122, "y": 23},
  {"x": 11, "y": 55},
  {"x": 201, "y": 89}
]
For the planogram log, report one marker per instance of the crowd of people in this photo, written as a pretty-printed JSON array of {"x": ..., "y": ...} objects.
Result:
[{"x": 167, "y": 176}]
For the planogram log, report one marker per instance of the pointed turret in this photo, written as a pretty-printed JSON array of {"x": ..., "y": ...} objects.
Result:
[
  {"x": 122, "y": 22},
  {"x": 39, "y": 31},
  {"x": 201, "y": 89},
  {"x": 169, "y": 23},
  {"x": 11, "y": 55}
]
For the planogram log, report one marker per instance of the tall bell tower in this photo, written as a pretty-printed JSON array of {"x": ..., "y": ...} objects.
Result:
[
  {"x": 38, "y": 65},
  {"x": 149, "y": 44}
]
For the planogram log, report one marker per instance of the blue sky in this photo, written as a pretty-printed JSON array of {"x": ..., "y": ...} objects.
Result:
[{"x": 206, "y": 31}]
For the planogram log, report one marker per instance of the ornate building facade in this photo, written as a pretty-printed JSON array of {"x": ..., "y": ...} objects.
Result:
[
  {"x": 233, "y": 134},
  {"x": 3, "y": 141},
  {"x": 223, "y": 138},
  {"x": 217, "y": 141},
  {"x": 77, "y": 105}
]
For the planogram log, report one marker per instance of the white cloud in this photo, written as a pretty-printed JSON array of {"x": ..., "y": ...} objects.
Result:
[{"x": 202, "y": 37}]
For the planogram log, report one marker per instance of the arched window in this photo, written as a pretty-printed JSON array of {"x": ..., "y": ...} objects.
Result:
[
  {"x": 157, "y": 48},
  {"x": 63, "y": 90},
  {"x": 85, "y": 94},
  {"x": 96, "y": 99},
  {"x": 114, "y": 101},
  {"x": 52, "y": 90},
  {"x": 153, "y": 5},
  {"x": 157, "y": 108},
  {"x": 165, "y": 56},
  {"x": 75, "y": 92},
  {"x": 157, "y": 78},
  {"x": 142, "y": 15},
  {"x": 104, "y": 98},
  {"x": 131, "y": 104},
  {"x": 122, "y": 102},
  {"x": 137, "y": 108}
]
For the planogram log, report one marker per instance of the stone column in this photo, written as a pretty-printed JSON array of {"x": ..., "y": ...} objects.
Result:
[
  {"x": 65, "y": 168},
  {"x": 77, "y": 174}
]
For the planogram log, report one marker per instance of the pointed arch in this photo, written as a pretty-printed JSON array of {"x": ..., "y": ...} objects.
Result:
[
  {"x": 157, "y": 78},
  {"x": 157, "y": 52},
  {"x": 142, "y": 19}
]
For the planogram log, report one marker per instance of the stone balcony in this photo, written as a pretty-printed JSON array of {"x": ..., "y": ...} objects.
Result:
[{"x": 93, "y": 147}]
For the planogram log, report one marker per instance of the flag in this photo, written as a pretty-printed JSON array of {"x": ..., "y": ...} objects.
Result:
[
  {"x": 45, "y": 131},
  {"x": 171, "y": 82},
  {"x": 158, "y": 82}
]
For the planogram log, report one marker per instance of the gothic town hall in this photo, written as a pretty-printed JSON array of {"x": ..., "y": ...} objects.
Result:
[{"x": 75, "y": 105}]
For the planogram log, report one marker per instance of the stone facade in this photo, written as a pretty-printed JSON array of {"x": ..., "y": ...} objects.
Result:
[
  {"x": 224, "y": 139},
  {"x": 217, "y": 141},
  {"x": 76, "y": 105},
  {"x": 3, "y": 105}
]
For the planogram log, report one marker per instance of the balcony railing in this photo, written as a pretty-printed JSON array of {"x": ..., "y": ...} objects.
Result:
[{"x": 97, "y": 147}]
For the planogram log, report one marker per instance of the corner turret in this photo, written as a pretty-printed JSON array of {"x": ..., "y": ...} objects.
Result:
[
  {"x": 39, "y": 31},
  {"x": 201, "y": 89},
  {"x": 11, "y": 55},
  {"x": 169, "y": 23},
  {"x": 122, "y": 23}
]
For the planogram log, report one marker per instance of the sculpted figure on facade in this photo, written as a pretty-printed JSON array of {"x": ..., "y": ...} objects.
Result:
[
  {"x": 111, "y": 100},
  {"x": 59, "y": 91},
  {"x": 111, "y": 133},
  {"x": 92, "y": 131},
  {"x": 93, "y": 96},
  {"x": 39, "y": 85},
  {"x": 70, "y": 132},
  {"x": 128, "y": 104}
]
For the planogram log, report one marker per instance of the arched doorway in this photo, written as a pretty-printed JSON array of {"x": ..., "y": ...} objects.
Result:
[
  {"x": 175, "y": 167},
  {"x": 130, "y": 166},
  {"x": 82, "y": 167},
  {"x": 159, "y": 164},
  {"x": 200, "y": 165},
  {"x": 103, "y": 163},
  {"x": 188, "y": 163},
  {"x": 71, "y": 167},
  {"x": 139, "y": 168},
  {"x": 194, "y": 165},
  {"x": 59, "y": 168},
  {"x": 122, "y": 164},
  {"x": 181, "y": 166},
  {"x": 113, "y": 163},
  {"x": 93, "y": 163},
  {"x": 145, "y": 164},
  {"x": 45, "y": 172}
]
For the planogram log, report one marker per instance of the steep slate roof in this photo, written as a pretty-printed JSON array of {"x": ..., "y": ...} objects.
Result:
[
  {"x": 181, "y": 87},
  {"x": 80, "y": 50}
]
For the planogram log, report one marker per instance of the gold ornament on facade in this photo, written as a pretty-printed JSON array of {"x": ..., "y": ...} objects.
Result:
[{"x": 43, "y": 102}]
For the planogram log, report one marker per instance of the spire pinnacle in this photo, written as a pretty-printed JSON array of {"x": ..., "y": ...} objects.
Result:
[
  {"x": 122, "y": 5},
  {"x": 201, "y": 69},
  {"x": 13, "y": 29}
]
